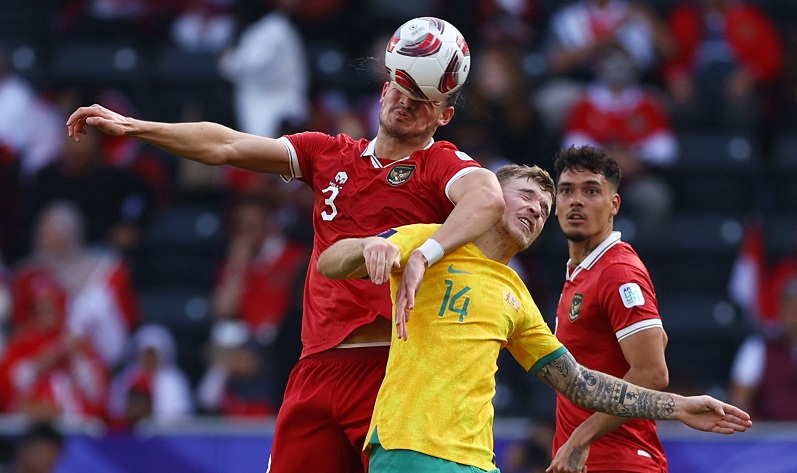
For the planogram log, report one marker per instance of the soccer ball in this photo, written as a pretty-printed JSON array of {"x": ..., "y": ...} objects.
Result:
[{"x": 428, "y": 59}]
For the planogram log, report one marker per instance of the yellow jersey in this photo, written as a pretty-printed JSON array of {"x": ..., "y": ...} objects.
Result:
[{"x": 437, "y": 394}]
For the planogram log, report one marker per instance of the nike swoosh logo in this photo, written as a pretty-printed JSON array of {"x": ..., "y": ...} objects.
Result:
[{"x": 456, "y": 271}]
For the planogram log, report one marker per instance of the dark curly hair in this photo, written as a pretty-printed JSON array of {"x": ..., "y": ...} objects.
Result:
[{"x": 587, "y": 158}]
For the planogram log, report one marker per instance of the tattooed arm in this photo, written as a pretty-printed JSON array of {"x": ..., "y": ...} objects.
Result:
[
  {"x": 644, "y": 352},
  {"x": 605, "y": 393}
]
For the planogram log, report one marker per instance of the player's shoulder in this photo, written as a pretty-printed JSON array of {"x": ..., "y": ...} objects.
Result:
[
  {"x": 621, "y": 258},
  {"x": 417, "y": 229},
  {"x": 320, "y": 138},
  {"x": 446, "y": 154}
]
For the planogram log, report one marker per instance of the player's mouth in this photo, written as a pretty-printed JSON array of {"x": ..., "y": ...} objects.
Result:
[
  {"x": 575, "y": 217},
  {"x": 402, "y": 113},
  {"x": 527, "y": 223}
]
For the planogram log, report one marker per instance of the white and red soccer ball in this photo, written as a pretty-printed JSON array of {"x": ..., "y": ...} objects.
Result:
[{"x": 428, "y": 59}]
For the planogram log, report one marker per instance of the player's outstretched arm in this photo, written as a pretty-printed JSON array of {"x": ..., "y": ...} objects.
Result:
[
  {"x": 605, "y": 393},
  {"x": 375, "y": 257},
  {"x": 204, "y": 142}
]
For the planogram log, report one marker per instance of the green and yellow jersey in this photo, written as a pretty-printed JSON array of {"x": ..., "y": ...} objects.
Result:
[{"x": 437, "y": 394}]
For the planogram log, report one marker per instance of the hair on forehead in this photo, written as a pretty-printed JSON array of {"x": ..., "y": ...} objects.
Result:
[
  {"x": 522, "y": 171},
  {"x": 587, "y": 158}
]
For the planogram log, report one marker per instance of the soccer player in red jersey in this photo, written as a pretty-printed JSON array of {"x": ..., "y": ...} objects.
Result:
[
  {"x": 607, "y": 317},
  {"x": 361, "y": 188}
]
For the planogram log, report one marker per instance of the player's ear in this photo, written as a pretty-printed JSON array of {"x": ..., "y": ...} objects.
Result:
[
  {"x": 615, "y": 204},
  {"x": 385, "y": 86},
  {"x": 446, "y": 116}
]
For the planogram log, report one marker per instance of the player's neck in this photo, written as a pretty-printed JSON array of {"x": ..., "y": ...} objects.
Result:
[
  {"x": 391, "y": 148},
  {"x": 580, "y": 250},
  {"x": 494, "y": 246}
]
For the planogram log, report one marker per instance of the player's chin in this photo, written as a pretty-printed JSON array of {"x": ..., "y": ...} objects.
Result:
[{"x": 574, "y": 234}]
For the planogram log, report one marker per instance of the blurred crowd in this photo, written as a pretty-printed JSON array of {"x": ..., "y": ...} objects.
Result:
[{"x": 628, "y": 76}]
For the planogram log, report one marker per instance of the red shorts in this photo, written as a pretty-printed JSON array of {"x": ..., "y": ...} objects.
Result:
[{"x": 326, "y": 412}]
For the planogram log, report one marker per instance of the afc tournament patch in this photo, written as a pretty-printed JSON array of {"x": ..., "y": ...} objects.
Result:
[
  {"x": 400, "y": 174},
  {"x": 575, "y": 307},
  {"x": 632, "y": 295}
]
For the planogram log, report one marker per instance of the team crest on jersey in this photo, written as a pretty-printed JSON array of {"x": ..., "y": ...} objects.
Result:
[
  {"x": 510, "y": 299},
  {"x": 575, "y": 307},
  {"x": 400, "y": 174}
]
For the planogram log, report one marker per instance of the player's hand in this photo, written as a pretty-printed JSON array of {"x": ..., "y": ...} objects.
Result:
[
  {"x": 99, "y": 117},
  {"x": 381, "y": 258},
  {"x": 405, "y": 297},
  {"x": 569, "y": 459},
  {"x": 710, "y": 415}
]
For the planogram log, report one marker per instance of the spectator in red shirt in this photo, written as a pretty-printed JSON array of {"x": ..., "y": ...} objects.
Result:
[
  {"x": 617, "y": 113},
  {"x": 47, "y": 372},
  {"x": 576, "y": 34},
  {"x": 727, "y": 52},
  {"x": 764, "y": 373},
  {"x": 257, "y": 278},
  {"x": 101, "y": 301},
  {"x": 239, "y": 381}
]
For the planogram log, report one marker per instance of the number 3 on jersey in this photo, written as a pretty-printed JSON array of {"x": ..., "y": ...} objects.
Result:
[{"x": 328, "y": 215}]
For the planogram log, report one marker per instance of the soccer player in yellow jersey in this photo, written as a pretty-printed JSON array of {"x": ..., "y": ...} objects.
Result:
[{"x": 434, "y": 410}]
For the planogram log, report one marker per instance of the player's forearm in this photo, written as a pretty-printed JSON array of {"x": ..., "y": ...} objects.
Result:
[
  {"x": 203, "y": 142},
  {"x": 344, "y": 259},
  {"x": 600, "y": 424},
  {"x": 595, "y": 427},
  {"x": 604, "y": 393},
  {"x": 477, "y": 210}
]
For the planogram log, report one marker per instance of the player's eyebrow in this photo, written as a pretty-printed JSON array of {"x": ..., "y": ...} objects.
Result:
[{"x": 588, "y": 182}]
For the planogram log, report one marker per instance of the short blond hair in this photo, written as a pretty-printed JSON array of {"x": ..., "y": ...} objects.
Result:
[{"x": 520, "y": 171}]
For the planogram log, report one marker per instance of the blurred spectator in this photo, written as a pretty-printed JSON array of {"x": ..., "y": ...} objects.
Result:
[
  {"x": 205, "y": 25},
  {"x": 240, "y": 381},
  {"x": 31, "y": 130},
  {"x": 38, "y": 450},
  {"x": 48, "y": 372},
  {"x": 270, "y": 74},
  {"x": 150, "y": 387},
  {"x": 257, "y": 278},
  {"x": 512, "y": 24},
  {"x": 617, "y": 113},
  {"x": 269, "y": 69},
  {"x": 101, "y": 302},
  {"x": 134, "y": 157},
  {"x": 30, "y": 127},
  {"x": 499, "y": 100},
  {"x": 764, "y": 373},
  {"x": 727, "y": 52},
  {"x": 116, "y": 202},
  {"x": 578, "y": 32}
]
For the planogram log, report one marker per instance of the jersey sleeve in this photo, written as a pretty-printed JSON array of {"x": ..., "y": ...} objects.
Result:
[
  {"x": 449, "y": 164},
  {"x": 531, "y": 342},
  {"x": 409, "y": 237},
  {"x": 302, "y": 149},
  {"x": 629, "y": 300}
]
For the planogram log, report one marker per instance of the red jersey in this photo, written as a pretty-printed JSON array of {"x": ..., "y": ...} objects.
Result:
[
  {"x": 752, "y": 36},
  {"x": 608, "y": 297},
  {"x": 635, "y": 118},
  {"x": 359, "y": 195}
]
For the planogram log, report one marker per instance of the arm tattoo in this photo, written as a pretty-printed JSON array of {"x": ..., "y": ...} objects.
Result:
[{"x": 605, "y": 393}]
